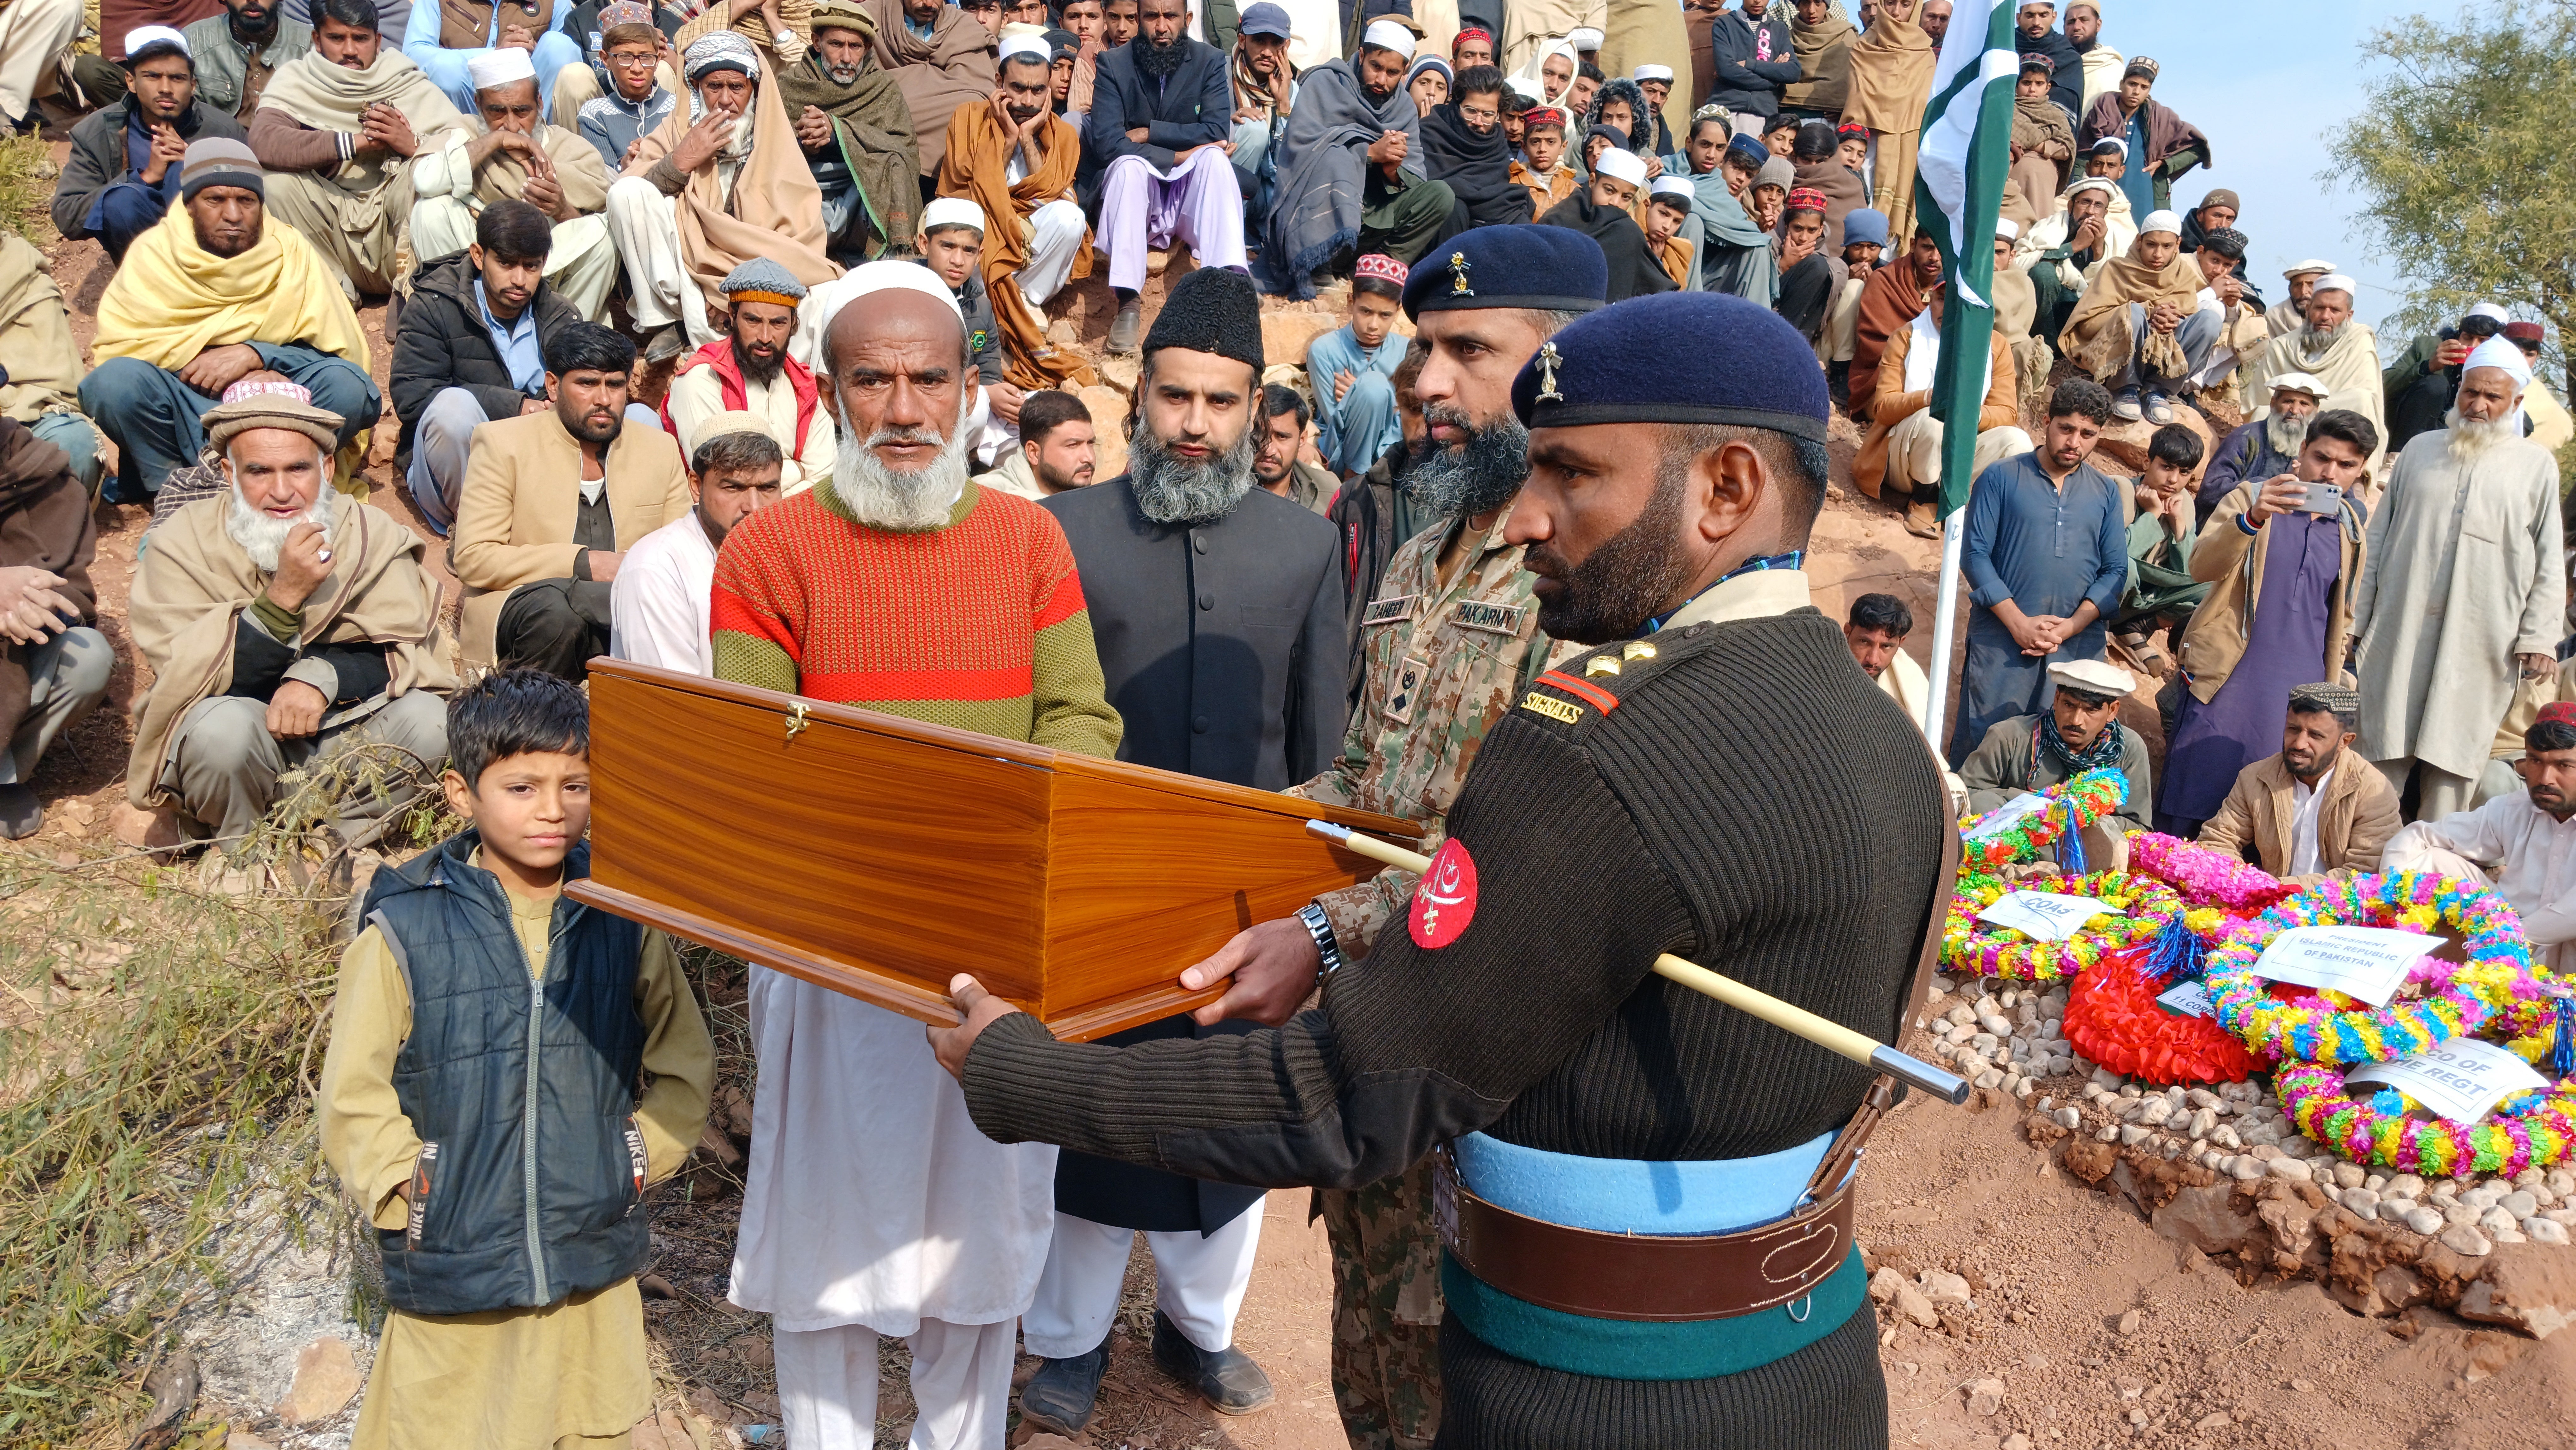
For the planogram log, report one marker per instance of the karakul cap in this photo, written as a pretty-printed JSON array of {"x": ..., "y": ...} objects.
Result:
[{"x": 1212, "y": 310}]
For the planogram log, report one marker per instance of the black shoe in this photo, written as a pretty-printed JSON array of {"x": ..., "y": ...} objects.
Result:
[
  {"x": 21, "y": 814},
  {"x": 1061, "y": 1396},
  {"x": 1226, "y": 1378},
  {"x": 1838, "y": 384}
]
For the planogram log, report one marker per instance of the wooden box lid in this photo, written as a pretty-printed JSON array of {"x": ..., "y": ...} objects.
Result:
[{"x": 880, "y": 856}]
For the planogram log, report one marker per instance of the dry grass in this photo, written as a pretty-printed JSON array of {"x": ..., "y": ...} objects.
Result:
[{"x": 27, "y": 188}]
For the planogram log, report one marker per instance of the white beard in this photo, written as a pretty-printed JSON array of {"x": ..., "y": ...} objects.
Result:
[
  {"x": 2470, "y": 441},
  {"x": 2285, "y": 434},
  {"x": 261, "y": 535},
  {"x": 903, "y": 503}
]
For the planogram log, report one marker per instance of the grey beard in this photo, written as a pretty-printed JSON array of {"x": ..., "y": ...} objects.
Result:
[
  {"x": 902, "y": 503},
  {"x": 2313, "y": 342},
  {"x": 1172, "y": 490},
  {"x": 2285, "y": 434},
  {"x": 261, "y": 537},
  {"x": 2469, "y": 441},
  {"x": 842, "y": 75},
  {"x": 1477, "y": 476}
]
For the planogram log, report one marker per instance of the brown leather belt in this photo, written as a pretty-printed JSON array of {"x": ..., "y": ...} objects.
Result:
[{"x": 1685, "y": 1277}]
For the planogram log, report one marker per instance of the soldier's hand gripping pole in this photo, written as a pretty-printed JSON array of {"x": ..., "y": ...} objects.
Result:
[{"x": 1824, "y": 1032}]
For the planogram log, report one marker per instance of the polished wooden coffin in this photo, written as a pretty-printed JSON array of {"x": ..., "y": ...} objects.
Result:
[{"x": 879, "y": 856}]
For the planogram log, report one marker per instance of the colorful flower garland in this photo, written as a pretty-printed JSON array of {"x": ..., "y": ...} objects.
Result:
[
  {"x": 2206, "y": 877},
  {"x": 1981, "y": 949},
  {"x": 2113, "y": 1018},
  {"x": 2533, "y": 1130},
  {"x": 2329, "y": 1027},
  {"x": 2087, "y": 797}
]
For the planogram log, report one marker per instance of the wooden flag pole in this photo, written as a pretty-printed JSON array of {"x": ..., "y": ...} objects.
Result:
[{"x": 1833, "y": 1036}]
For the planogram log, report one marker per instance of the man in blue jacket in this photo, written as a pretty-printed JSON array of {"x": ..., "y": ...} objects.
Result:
[
  {"x": 1158, "y": 156},
  {"x": 1749, "y": 49}
]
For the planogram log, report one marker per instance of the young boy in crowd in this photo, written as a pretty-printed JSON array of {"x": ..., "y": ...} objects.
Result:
[
  {"x": 952, "y": 242},
  {"x": 1350, "y": 371},
  {"x": 1542, "y": 165},
  {"x": 2161, "y": 591},
  {"x": 1852, "y": 150},
  {"x": 1516, "y": 109},
  {"x": 1864, "y": 240},
  {"x": 1667, "y": 209},
  {"x": 632, "y": 105},
  {"x": 507, "y": 1191}
]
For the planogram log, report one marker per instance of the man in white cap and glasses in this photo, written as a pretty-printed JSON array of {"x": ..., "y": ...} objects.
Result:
[
  {"x": 1157, "y": 156},
  {"x": 507, "y": 152},
  {"x": 2465, "y": 593},
  {"x": 2078, "y": 730},
  {"x": 123, "y": 170},
  {"x": 2266, "y": 444},
  {"x": 2332, "y": 346},
  {"x": 874, "y": 1207}
]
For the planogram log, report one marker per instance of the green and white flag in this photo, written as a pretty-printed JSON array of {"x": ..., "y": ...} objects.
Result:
[{"x": 1965, "y": 158}]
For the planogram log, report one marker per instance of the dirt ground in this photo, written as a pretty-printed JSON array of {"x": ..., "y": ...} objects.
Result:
[{"x": 2100, "y": 1331}]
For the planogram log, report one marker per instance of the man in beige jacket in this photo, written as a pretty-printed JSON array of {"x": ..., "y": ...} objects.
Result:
[
  {"x": 2316, "y": 809},
  {"x": 551, "y": 502}
]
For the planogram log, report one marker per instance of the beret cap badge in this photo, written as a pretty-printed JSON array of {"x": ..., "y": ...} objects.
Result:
[
  {"x": 1458, "y": 276},
  {"x": 1547, "y": 361}
]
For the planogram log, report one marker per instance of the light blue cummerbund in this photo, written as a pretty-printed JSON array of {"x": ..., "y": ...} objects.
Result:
[{"x": 1622, "y": 1195}]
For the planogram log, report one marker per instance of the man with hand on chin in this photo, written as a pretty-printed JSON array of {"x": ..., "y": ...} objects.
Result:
[{"x": 1580, "y": 1092}]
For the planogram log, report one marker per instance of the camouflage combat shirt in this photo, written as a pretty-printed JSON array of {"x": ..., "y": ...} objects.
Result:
[{"x": 1443, "y": 666}]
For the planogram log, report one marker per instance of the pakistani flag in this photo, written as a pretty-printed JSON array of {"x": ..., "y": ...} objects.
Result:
[{"x": 1958, "y": 192}]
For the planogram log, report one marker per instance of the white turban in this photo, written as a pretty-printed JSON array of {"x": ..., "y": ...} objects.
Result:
[
  {"x": 1389, "y": 35},
  {"x": 500, "y": 66},
  {"x": 2338, "y": 282},
  {"x": 723, "y": 50},
  {"x": 2501, "y": 354},
  {"x": 2102, "y": 184},
  {"x": 1622, "y": 165}
]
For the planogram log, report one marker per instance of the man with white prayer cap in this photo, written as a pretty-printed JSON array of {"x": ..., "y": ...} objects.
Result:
[
  {"x": 1154, "y": 161},
  {"x": 2419, "y": 385},
  {"x": 2288, "y": 313},
  {"x": 2465, "y": 595},
  {"x": 507, "y": 151},
  {"x": 873, "y": 1205},
  {"x": 1351, "y": 162},
  {"x": 2332, "y": 346}
]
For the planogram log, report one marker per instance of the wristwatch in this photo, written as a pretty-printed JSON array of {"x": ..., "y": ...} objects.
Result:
[{"x": 1320, "y": 927}]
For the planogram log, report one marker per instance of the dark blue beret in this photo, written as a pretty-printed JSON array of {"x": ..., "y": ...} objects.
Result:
[
  {"x": 1675, "y": 357},
  {"x": 1545, "y": 269}
]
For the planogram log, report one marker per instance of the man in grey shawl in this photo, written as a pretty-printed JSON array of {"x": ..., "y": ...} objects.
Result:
[{"x": 1350, "y": 166}]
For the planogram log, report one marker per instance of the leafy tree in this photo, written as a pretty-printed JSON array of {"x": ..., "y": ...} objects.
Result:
[{"x": 2466, "y": 166}]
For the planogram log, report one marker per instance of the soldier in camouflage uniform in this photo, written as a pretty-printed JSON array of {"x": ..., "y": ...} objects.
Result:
[{"x": 1451, "y": 641}]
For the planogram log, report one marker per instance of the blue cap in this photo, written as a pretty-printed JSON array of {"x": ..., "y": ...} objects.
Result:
[
  {"x": 1675, "y": 357},
  {"x": 1865, "y": 224},
  {"x": 1263, "y": 19},
  {"x": 1544, "y": 269},
  {"x": 1748, "y": 149}
]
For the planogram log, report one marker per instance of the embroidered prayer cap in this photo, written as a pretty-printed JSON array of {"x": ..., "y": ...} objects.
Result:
[
  {"x": 2040, "y": 63},
  {"x": 2337, "y": 282},
  {"x": 2006, "y": 229},
  {"x": 1542, "y": 116},
  {"x": 636, "y": 12},
  {"x": 1712, "y": 111},
  {"x": 2311, "y": 267},
  {"x": 1584, "y": 37},
  {"x": 1776, "y": 172},
  {"x": 2301, "y": 383},
  {"x": 1851, "y": 131},
  {"x": 1213, "y": 310},
  {"x": 1030, "y": 43},
  {"x": 732, "y": 421},
  {"x": 1264, "y": 18},
  {"x": 1651, "y": 72},
  {"x": 1805, "y": 198},
  {"x": 844, "y": 14},
  {"x": 1380, "y": 267},
  {"x": 2333, "y": 698},
  {"x": 2226, "y": 242},
  {"x": 951, "y": 211},
  {"x": 2221, "y": 196},
  {"x": 762, "y": 280},
  {"x": 1478, "y": 31},
  {"x": 272, "y": 408},
  {"x": 1865, "y": 225},
  {"x": 1675, "y": 357},
  {"x": 1621, "y": 166},
  {"x": 2556, "y": 712},
  {"x": 146, "y": 41},
  {"x": 2530, "y": 333},
  {"x": 2142, "y": 66},
  {"x": 2502, "y": 354},
  {"x": 500, "y": 66},
  {"x": 723, "y": 50},
  {"x": 220, "y": 161},
  {"x": 2100, "y": 679},
  {"x": 1541, "y": 269},
  {"x": 1388, "y": 35}
]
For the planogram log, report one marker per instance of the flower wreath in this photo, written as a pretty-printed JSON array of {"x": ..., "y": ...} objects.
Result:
[
  {"x": 2086, "y": 797},
  {"x": 2206, "y": 877},
  {"x": 2113, "y": 1018},
  {"x": 2531, "y": 1130},
  {"x": 1982, "y": 949},
  {"x": 2329, "y": 1027}
]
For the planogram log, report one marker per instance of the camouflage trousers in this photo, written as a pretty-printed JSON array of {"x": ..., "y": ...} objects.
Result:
[{"x": 1386, "y": 1310}]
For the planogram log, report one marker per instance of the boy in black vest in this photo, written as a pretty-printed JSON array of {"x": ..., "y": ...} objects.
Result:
[{"x": 482, "y": 1100}]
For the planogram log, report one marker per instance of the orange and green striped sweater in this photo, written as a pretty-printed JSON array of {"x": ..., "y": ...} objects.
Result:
[{"x": 979, "y": 624}]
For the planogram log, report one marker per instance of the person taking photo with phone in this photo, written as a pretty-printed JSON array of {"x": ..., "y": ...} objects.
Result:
[{"x": 2281, "y": 556}]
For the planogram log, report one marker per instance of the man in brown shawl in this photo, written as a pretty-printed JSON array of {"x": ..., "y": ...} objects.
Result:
[
  {"x": 1031, "y": 220},
  {"x": 2137, "y": 326},
  {"x": 1888, "y": 300},
  {"x": 942, "y": 59},
  {"x": 1820, "y": 36},
  {"x": 856, "y": 131},
  {"x": 719, "y": 182},
  {"x": 1891, "y": 81},
  {"x": 508, "y": 153},
  {"x": 53, "y": 664},
  {"x": 285, "y": 625}
]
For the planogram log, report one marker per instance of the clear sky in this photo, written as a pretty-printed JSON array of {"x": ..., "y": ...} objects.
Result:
[{"x": 2268, "y": 81}]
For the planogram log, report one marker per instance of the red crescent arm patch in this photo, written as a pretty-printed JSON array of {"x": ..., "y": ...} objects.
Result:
[{"x": 1445, "y": 900}]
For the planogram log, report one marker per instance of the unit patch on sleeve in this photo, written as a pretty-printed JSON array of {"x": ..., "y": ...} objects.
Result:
[{"x": 1409, "y": 675}]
